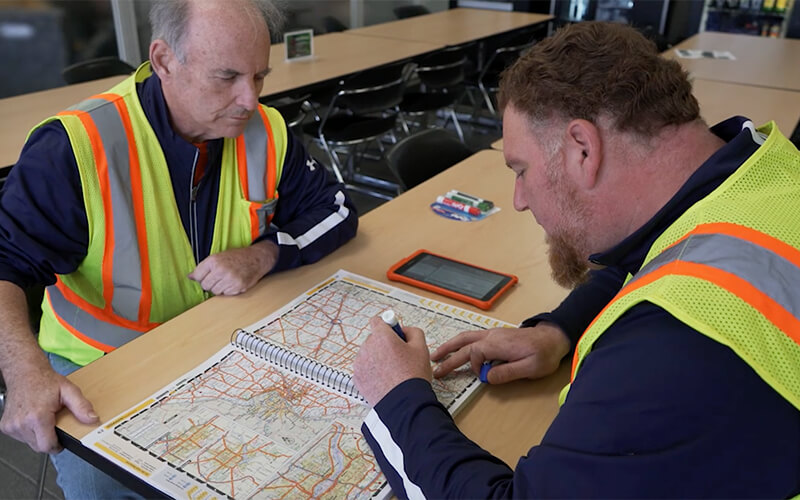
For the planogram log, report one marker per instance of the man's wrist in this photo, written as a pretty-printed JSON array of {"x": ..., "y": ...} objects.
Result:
[{"x": 268, "y": 252}]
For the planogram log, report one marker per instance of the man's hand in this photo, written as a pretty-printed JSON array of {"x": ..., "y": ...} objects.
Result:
[
  {"x": 528, "y": 352},
  {"x": 34, "y": 397},
  {"x": 384, "y": 360},
  {"x": 236, "y": 270}
]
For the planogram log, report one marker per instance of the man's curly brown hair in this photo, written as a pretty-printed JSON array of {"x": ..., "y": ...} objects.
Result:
[{"x": 590, "y": 70}]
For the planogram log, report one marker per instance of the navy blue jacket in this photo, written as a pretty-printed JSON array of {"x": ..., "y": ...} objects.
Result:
[
  {"x": 43, "y": 225},
  {"x": 656, "y": 411}
]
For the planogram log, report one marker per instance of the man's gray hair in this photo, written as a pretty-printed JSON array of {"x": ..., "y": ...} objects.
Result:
[{"x": 169, "y": 18}]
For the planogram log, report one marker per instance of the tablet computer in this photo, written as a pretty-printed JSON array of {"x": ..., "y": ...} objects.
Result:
[{"x": 472, "y": 284}]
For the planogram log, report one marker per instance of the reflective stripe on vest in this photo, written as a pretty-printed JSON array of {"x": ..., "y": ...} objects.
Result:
[
  {"x": 110, "y": 337},
  {"x": 732, "y": 257},
  {"x": 256, "y": 173},
  {"x": 126, "y": 276}
]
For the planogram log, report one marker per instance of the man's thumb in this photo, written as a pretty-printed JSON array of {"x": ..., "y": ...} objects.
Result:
[{"x": 73, "y": 399}]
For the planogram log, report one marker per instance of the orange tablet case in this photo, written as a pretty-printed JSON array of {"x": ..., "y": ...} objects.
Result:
[{"x": 483, "y": 304}]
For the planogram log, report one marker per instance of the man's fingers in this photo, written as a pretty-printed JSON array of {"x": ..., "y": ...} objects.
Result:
[
  {"x": 457, "y": 342},
  {"x": 455, "y": 360},
  {"x": 200, "y": 272},
  {"x": 415, "y": 337},
  {"x": 46, "y": 440}
]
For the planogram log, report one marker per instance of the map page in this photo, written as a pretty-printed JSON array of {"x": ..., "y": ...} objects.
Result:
[
  {"x": 238, "y": 426},
  {"x": 329, "y": 323}
]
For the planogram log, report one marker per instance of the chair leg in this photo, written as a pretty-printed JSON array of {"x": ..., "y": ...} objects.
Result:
[
  {"x": 403, "y": 123},
  {"x": 488, "y": 100},
  {"x": 42, "y": 475},
  {"x": 456, "y": 124},
  {"x": 335, "y": 165}
]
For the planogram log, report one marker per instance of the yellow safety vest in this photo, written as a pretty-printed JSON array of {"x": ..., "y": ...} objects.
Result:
[
  {"x": 134, "y": 275},
  {"x": 729, "y": 267}
]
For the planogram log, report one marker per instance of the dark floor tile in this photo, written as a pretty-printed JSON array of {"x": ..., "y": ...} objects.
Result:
[
  {"x": 15, "y": 486},
  {"x": 20, "y": 458}
]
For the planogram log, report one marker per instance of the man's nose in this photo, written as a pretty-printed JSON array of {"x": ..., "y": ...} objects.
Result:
[
  {"x": 519, "y": 200},
  {"x": 247, "y": 94}
]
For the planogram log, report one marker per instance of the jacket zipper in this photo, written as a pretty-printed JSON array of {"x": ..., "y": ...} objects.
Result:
[{"x": 193, "y": 237}]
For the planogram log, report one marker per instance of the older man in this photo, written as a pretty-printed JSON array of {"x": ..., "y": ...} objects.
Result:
[
  {"x": 139, "y": 203},
  {"x": 687, "y": 383}
]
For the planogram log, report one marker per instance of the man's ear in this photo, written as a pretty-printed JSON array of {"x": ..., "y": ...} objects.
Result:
[
  {"x": 162, "y": 59},
  {"x": 583, "y": 150}
]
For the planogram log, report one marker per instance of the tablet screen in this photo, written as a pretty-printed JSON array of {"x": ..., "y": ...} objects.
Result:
[{"x": 460, "y": 278}]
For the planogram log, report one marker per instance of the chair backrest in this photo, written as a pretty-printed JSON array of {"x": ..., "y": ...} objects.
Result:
[
  {"x": 94, "y": 69},
  {"x": 405, "y": 11},
  {"x": 372, "y": 91},
  {"x": 420, "y": 156},
  {"x": 333, "y": 24},
  {"x": 500, "y": 59},
  {"x": 291, "y": 108},
  {"x": 443, "y": 69}
]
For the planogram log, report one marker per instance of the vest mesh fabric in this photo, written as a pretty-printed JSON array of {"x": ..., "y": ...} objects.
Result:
[{"x": 763, "y": 195}]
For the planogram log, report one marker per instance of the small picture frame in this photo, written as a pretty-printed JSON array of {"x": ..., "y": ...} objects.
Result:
[{"x": 298, "y": 45}]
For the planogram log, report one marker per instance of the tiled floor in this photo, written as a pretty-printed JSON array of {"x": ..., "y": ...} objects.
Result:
[
  {"x": 21, "y": 468},
  {"x": 21, "y": 472}
]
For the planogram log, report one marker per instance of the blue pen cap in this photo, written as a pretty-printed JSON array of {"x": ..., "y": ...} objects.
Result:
[{"x": 484, "y": 375}]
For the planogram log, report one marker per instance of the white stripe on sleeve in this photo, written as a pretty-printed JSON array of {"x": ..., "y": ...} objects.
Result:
[
  {"x": 392, "y": 452},
  {"x": 320, "y": 229}
]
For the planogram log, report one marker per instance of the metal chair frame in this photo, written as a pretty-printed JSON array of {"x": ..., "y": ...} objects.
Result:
[
  {"x": 485, "y": 91},
  {"x": 345, "y": 170},
  {"x": 450, "y": 112}
]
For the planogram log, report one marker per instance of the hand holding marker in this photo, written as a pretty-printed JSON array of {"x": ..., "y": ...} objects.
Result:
[{"x": 390, "y": 318}]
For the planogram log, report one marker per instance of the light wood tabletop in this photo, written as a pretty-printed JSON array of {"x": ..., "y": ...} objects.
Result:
[
  {"x": 337, "y": 55},
  {"x": 761, "y": 61},
  {"x": 19, "y": 114},
  {"x": 507, "y": 420},
  {"x": 720, "y": 100},
  {"x": 452, "y": 27}
]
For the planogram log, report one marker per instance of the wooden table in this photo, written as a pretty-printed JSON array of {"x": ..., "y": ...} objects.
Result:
[
  {"x": 452, "y": 27},
  {"x": 337, "y": 55},
  {"x": 20, "y": 113},
  {"x": 760, "y": 61},
  {"x": 507, "y": 420},
  {"x": 721, "y": 100}
]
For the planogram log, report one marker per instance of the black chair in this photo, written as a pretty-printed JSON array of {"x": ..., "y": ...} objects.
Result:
[
  {"x": 364, "y": 108},
  {"x": 405, "y": 11},
  {"x": 420, "y": 156},
  {"x": 94, "y": 69},
  {"x": 487, "y": 79},
  {"x": 333, "y": 25},
  {"x": 292, "y": 108},
  {"x": 441, "y": 76}
]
